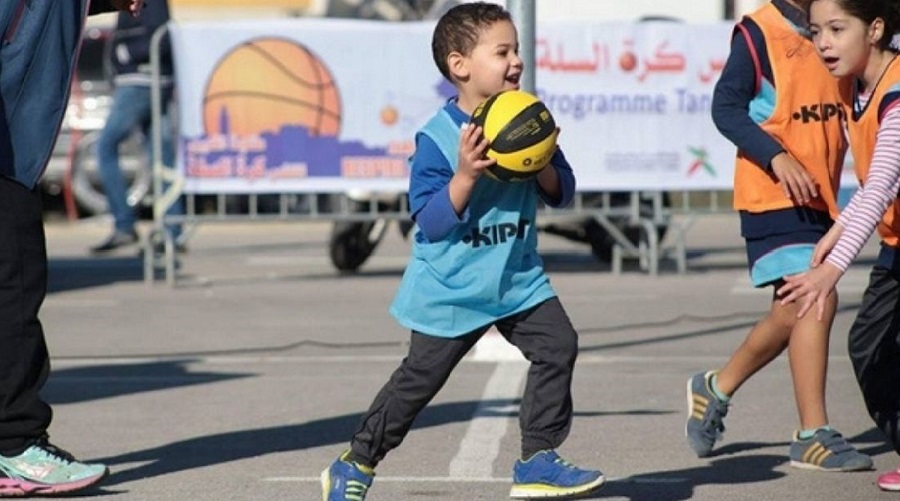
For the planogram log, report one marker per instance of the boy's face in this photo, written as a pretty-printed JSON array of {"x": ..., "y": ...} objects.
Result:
[{"x": 493, "y": 64}]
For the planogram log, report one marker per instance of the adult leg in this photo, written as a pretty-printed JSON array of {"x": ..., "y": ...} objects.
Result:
[
  {"x": 130, "y": 109},
  {"x": 547, "y": 339},
  {"x": 874, "y": 348},
  {"x": 24, "y": 363},
  {"x": 418, "y": 379}
]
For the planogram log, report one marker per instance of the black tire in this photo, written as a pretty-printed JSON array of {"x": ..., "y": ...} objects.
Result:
[
  {"x": 588, "y": 230},
  {"x": 350, "y": 245}
]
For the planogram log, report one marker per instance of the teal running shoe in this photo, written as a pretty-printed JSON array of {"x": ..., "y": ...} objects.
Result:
[
  {"x": 706, "y": 412},
  {"x": 44, "y": 469},
  {"x": 546, "y": 475},
  {"x": 346, "y": 480},
  {"x": 827, "y": 451}
]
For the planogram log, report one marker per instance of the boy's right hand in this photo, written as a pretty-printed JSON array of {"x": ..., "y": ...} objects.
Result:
[
  {"x": 473, "y": 147},
  {"x": 797, "y": 184}
]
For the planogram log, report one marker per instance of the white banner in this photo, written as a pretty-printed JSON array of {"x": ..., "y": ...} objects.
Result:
[{"x": 313, "y": 105}]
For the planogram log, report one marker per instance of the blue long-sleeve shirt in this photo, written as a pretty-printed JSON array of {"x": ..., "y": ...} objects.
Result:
[
  {"x": 737, "y": 88},
  {"x": 429, "y": 195}
]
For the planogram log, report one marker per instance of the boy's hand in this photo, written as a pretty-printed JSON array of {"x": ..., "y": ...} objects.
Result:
[
  {"x": 472, "y": 149},
  {"x": 132, "y": 6},
  {"x": 797, "y": 184}
]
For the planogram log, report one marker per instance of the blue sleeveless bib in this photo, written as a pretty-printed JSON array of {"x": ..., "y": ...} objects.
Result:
[{"x": 486, "y": 269}]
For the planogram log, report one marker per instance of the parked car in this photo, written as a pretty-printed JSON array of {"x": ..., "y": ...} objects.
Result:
[{"x": 72, "y": 169}]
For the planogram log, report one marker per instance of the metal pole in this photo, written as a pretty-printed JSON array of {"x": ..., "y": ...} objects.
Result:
[
  {"x": 523, "y": 15},
  {"x": 728, "y": 10}
]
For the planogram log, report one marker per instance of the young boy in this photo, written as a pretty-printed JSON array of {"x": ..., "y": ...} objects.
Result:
[
  {"x": 776, "y": 103},
  {"x": 457, "y": 285}
]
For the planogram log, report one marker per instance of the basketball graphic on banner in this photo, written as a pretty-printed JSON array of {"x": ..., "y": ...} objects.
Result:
[{"x": 268, "y": 83}]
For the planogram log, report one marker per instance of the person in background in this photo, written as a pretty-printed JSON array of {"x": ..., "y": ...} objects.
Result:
[
  {"x": 786, "y": 179},
  {"x": 854, "y": 39},
  {"x": 37, "y": 57},
  {"x": 131, "y": 110}
]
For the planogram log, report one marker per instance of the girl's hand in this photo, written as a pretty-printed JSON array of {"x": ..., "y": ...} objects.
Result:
[
  {"x": 797, "y": 184},
  {"x": 825, "y": 244},
  {"x": 812, "y": 286}
]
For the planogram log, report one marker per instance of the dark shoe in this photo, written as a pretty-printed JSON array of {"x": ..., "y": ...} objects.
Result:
[{"x": 116, "y": 240}]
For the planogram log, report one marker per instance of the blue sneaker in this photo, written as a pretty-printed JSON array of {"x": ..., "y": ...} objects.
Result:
[
  {"x": 827, "y": 451},
  {"x": 345, "y": 480},
  {"x": 705, "y": 414},
  {"x": 44, "y": 470},
  {"x": 546, "y": 475}
]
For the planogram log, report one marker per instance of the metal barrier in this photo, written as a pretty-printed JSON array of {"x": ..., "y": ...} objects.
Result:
[{"x": 168, "y": 186}]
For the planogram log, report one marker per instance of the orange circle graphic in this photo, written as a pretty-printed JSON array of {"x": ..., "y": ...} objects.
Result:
[{"x": 269, "y": 83}]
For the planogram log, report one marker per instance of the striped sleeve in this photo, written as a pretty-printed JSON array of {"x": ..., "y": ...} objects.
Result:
[{"x": 881, "y": 187}]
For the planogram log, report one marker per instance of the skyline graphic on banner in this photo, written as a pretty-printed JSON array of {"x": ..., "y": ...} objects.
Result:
[
  {"x": 272, "y": 110},
  {"x": 290, "y": 151}
]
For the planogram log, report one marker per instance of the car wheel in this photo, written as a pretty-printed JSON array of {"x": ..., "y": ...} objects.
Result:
[{"x": 87, "y": 188}]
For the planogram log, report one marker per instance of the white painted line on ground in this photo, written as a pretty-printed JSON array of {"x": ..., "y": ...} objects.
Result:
[
  {"x": 80, "y": 303},
  {"x": 493, "y": 347},
  {"x": 481, "y": 444},
  {"x": 473, "y": 480},
  {"x": 350, "y": 359}
]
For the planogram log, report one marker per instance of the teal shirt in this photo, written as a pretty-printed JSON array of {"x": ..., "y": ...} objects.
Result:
[{"x": 486, "y": 268}]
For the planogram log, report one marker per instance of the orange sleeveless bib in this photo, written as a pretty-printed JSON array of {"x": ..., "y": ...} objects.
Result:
[
  {"x": 806, "y": 121},
  {"x": 863, "y": 133}
]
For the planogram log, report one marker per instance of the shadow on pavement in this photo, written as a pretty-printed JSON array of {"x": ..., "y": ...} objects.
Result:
[
  {"x": 210, "y": 450},
  {"x": 676, "y": 485},
  {"x": 83, "y": 384},
  {"x": 82, "y": 273}
]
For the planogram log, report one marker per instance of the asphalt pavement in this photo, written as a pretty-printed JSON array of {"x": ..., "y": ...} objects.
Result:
[{"x": 246, "y": 379}]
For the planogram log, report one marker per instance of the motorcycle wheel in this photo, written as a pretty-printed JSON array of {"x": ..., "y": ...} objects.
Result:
[{"x": 352, "y": 243}]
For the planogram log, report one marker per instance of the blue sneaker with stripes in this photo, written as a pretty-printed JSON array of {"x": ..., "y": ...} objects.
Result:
[
  {"x": 346, "y": 480},
  {"x": 827, "y": 451},
  {"x": 704, "y": 426},
  {"x": 546, "y": 475}
]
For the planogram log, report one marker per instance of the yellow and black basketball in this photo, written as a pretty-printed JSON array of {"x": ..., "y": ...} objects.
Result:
[{"x": 521, "y": 131}]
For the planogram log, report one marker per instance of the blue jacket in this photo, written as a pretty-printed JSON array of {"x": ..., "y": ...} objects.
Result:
[
  {"x": 37, "y": 59},
  {"x": 131, "y": 45}
]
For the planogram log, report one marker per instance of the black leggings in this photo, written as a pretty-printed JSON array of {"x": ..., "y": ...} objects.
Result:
[
  {"x": 874, "y": 346},
  {"x": 24, "y": 363}
]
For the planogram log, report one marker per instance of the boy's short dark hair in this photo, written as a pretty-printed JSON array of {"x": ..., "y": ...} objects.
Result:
[{"x": 458, "y": 30}]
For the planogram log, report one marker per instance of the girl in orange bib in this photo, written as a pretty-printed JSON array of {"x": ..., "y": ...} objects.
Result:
[
  {"x": 777, "y": 103},
  {"x": 853, "y": 38}
]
